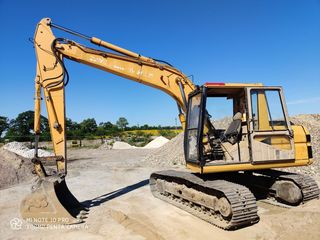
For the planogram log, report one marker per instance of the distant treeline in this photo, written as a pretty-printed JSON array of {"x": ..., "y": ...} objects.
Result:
[{"x": 21, "y": 128}]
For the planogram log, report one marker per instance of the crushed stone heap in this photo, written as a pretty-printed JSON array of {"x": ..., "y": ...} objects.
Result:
[
  {"x": 170, "y": 154},
  {"x": 157, "y": 142},
  {"x": 22, "y": 150},
  {"x": 122, "y": 145}
]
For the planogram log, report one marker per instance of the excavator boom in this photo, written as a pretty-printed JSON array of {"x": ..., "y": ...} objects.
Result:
[
  {"x": 50, "y": 196},
  {"x": 52, "y": 77}
]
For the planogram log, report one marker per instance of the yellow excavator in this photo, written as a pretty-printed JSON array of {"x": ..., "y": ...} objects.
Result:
[{"x": 229, "y": 169}]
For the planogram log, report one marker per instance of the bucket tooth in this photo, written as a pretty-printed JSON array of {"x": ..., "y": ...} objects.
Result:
[{"x": 51, "y": 202}]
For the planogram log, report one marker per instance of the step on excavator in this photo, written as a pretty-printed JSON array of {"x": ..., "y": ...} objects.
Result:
[{"x": 228, "y": 169}]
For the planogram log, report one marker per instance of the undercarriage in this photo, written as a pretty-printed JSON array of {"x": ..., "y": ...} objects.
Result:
[{"x": 229, "y": 201}]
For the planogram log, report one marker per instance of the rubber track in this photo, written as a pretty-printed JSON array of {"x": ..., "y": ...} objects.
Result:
[
  {"x": 242, "y": 201},
  {"x": 308, "y": 185}
]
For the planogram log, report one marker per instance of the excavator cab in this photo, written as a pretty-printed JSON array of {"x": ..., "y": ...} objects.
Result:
[{"x": 258, "y": 132}]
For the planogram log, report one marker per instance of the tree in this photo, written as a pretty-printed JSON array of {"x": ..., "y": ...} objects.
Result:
[
  {"x": 168, "y": 133},
  {"x": 21, "y": 128},
  {"x": 89, "y": 126},
  {"x": 4, "y": 124},
  {"x": 100, "y": 131},
  {"x": 107, "y": 125},
  {"x": 122, "y": 123},
  {"x": 73, "y": 130},
  {"x": 108, "y": 128},
  {"x": 145, "y": 127}
]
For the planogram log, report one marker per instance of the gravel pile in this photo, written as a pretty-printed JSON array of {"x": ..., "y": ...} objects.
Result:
[
  {"x": 22, "y": 150},
  {"x": 157, "y": 142},
  {"x": 122, "y": 145},
  {"x": 170, "y": 154},
  {"x": 14, "y": 169},
  {"x": 222, "y": 123}
]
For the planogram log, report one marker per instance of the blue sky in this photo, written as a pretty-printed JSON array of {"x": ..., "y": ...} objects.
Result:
[{"x": 273, "y": 42}]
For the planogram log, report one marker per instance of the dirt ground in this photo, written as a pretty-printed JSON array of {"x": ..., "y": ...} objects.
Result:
[{"x": 114, "y": 184}]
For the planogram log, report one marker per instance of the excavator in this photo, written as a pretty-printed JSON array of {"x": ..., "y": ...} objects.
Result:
[{"x": 228, "y": 170}]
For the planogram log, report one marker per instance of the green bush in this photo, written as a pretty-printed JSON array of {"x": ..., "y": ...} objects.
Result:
[{"x": 168, "y": 133}]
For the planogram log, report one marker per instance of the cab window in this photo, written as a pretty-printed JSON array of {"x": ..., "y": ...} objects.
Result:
[{"x": 267, "y": 111}]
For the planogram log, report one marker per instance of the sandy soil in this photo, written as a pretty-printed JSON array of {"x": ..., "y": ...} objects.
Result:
[{"x": 114, "y": 184}]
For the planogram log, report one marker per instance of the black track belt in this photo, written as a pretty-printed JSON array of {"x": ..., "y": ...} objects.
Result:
[{"x": 242, "y": 201}]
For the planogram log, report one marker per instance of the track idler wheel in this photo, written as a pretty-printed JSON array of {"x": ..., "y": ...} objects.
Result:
[
  {"x": 287, "y": 192},
  {"x": 51, "y": 202}
]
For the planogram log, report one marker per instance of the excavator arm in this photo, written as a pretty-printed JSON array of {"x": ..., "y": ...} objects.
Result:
[
  {"x": 52, "y": 77},
  {"x": 50, "y": 198}
]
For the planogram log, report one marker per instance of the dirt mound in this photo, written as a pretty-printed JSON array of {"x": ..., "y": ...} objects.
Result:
[
  {"x": 157, "y": 142},
  {"x": 14, "y": 168}
]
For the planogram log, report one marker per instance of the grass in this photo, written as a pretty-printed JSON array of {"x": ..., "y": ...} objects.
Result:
[{"x": 155, "y": 132}]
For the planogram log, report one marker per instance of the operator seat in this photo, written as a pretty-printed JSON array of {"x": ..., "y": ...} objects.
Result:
[{"x": 232, "y": 133}]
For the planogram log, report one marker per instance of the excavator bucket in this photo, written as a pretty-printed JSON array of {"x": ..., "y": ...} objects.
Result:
[{"x": 51, "y": 202}]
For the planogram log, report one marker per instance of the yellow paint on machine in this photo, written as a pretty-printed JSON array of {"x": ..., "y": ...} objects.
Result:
[
  {"x": 246, "y": 166},
  {"x": 300, "y": 142}
]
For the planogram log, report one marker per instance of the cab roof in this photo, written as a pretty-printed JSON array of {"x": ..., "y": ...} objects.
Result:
[
  {"x": 231, "y": 85},
  {"x": 219, "y": 89}
]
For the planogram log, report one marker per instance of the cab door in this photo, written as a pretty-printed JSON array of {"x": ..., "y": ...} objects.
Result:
[
  {"x": 270, "y": 133},
  {"x": 194, "y": 127}
]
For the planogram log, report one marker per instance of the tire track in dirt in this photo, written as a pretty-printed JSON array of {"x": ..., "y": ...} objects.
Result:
[{"x": 134, "y": 225}]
